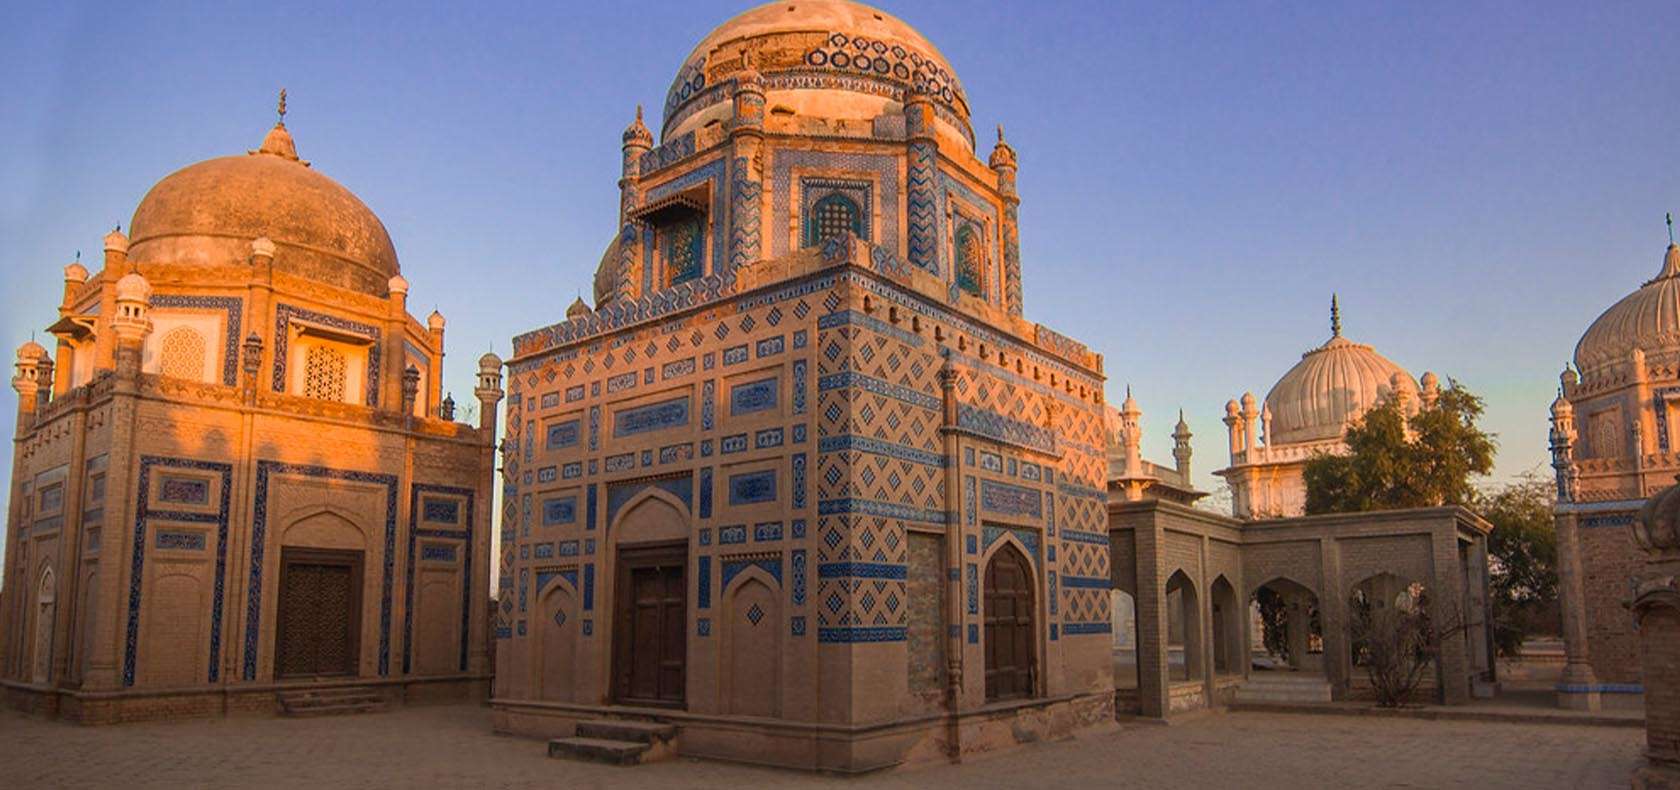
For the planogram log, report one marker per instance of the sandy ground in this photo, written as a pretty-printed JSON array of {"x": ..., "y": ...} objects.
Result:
[{"x": 453, "y": 747}]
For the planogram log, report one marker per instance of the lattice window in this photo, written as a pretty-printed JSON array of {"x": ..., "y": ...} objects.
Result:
[
  {"x": 685, "y": 250},
  {"x": 324, "y": 370},
  {"x": 182, "y": 354},
  {"x": 971, "y": 260},
  {"x": 831, "y": 216}
]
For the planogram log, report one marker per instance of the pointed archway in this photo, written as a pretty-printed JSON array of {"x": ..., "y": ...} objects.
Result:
[{"x": 1011, "y": 644}]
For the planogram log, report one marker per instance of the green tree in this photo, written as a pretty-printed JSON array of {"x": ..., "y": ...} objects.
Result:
[
  {"x": 1523, "y": 550},
  {"x": 1393, "y": 461}
]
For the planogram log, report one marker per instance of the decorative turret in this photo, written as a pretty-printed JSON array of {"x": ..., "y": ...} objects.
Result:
[
  {"x": 1181, "y": 446},
  {"x": 435, "y": 322},
  {"x": 1130, "y": 422},
  {"x": 637, "y": 141},
  {"x": 132, "y": 321},
  {"x": 749, "y": 99},
  {"x": 1003, "y": 163},
  {"x": 1233, "y": 427},
  {"x": 489, "y": 392},
  {"x": 26, "y": 380},
  {"x": 1563, "y": 444},
  {"x": 577, "y": 309},
  {"x": 75, "y": 275},
  {"x": 1250, "y": 413},
  {"x": 1431, "y": 389},
  {"x": 116, "y": 250}
]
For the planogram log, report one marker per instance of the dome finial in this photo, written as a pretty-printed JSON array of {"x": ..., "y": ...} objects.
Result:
[
  {"x": 282, "y": 108},
  {"x": 1000, "y": 133},
  {"x": 1670, "y": 217},
  {"x": 1335, "y": 317}
]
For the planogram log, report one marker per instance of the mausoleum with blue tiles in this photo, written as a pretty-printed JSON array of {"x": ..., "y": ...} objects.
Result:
[{"x": 803, "y": 479}]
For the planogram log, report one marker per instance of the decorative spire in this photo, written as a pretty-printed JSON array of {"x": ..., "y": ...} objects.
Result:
[
  {"x": 1670, "y": 218},
  {"x": 637, "y": 134},
  {"x": 1002, "y": 155},
  {"x": 278, "y": 141},
  {"x": 1335, "y": 317}
]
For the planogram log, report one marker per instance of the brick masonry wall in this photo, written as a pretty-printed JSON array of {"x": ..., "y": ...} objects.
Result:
[
  {"x": 926, "y": 638},
  {"x": 1609, "y": 560}
]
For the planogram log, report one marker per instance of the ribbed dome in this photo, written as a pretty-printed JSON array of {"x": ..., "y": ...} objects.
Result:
[
  {"x": 1330, "y": 387},
  {"x": 208, "y": 213},
  {"x": 826, "y": 58},
  {"x": 1647, "y": 319}
]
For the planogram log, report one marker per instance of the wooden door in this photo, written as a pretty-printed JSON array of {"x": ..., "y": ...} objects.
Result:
[
  {"x": 319, "y": 613},
  {"x": 651, "y": 633},
  {"x": 1010, "y": 643}
]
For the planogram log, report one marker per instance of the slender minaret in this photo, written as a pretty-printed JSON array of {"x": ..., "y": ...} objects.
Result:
[
  {"x": 637, "y": 141},
  {"x": 1003, "y": 162},
  {"x": 1181, "y": 447}
]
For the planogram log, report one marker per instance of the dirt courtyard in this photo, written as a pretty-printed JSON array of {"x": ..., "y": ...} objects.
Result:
[{"x": 453, "y": 747}]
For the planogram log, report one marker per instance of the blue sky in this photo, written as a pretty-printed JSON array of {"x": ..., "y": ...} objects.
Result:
[{"x": 1477, "y": 180}]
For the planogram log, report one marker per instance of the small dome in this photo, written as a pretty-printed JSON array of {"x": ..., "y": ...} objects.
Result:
[
  {"x": 435, "y": 321},
  {"x": 1330, "y": 387},
  {"x": 826, "y": 58},
  {"x": 133, "y": 288},
  {"x": 208, "y": 213},
  {"x": 1647, "y": 320},
  {"x": 489, "y": 363},
  {"x": 577, "y": 310},
  {"x": 75, "y": 273},
  {"x": 30, "y": 350},
  {"x": 398, "y": 284}
]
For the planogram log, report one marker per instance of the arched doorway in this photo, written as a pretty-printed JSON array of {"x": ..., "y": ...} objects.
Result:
[
  {"x": 46, "y": 611},
  {"x": 1010, "y": 643},
  {"x": 1227, "y": 629},
  {"x": 650, "y": 604},
  {"x": 1291, "y": 632},
  {"x": 1184, "y": 629}
]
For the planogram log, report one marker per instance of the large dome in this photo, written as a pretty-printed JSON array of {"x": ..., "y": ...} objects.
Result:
[
  {"x": 1330, "y": 387},
  {"x": 823, "y": 58},
  {"x": 1647, "y": 319},
  {"x": 208, "y": 213}
]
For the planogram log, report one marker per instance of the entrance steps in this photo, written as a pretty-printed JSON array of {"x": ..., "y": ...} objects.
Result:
[
  {"x": 1283, "y": 687},
  {"x": 331, "y": 701},
  {"x": 618, "y": 742}
]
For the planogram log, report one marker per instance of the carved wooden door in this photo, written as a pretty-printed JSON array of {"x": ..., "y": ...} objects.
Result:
[
  {"x": 319, "y": 614},
  {"x": 651, "y": 634},
  {"x": 1010, "y": 643}
]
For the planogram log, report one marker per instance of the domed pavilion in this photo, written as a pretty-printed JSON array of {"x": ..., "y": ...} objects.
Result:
[
  {"x": 802, "y": 481},
  {"x": 1305, "y": 414},
  {"x": 239, "y": 482}
]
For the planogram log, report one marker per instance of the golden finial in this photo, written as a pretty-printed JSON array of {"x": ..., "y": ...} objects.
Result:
[
  {"x": 282, "y": 105},
  {"x": 1000, "y": 133},
  {"x": 1335, "y": 317},
  {"x": 638, "y": 112}
]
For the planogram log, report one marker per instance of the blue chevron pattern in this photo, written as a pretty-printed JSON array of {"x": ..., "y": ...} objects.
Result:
[
  {"x": 744, "y": 200},
  {"x": 923, "y": 204}
]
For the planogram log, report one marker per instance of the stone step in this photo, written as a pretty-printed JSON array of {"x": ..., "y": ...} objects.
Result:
[
  {"x": 335, "y": 710},
  {"x": 648, "y": 732},
  {"x": 1250, "y": 697},
  {"x": 598, "y": 750}
]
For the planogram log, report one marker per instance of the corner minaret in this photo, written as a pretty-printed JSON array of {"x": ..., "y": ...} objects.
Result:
[
  {"x": 1004, "y": 163},
  {"x": 746, "y": 176}
]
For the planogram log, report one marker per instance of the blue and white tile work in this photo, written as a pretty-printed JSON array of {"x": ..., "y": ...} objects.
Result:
[{"x": 806, "y": 419}]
